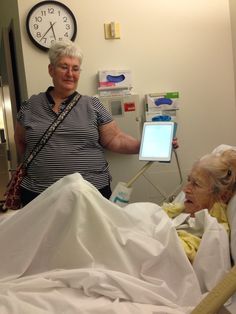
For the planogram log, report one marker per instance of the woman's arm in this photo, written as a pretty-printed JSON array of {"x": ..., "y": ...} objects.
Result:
[
  {"x": 115, "y": 140},
  {"x": 20, "y": 139}
]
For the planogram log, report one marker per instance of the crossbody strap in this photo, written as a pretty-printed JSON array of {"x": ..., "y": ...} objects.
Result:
[{"x": 50, "y": 130}]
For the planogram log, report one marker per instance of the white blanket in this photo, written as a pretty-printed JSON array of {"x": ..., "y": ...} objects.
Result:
[{"x": 73, "y": 251}]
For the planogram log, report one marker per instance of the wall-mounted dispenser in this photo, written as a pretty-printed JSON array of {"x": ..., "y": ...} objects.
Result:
[{"x": 112, "y": 30}]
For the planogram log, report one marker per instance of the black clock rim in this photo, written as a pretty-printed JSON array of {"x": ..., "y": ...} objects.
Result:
[{"x": 49, "y": 2}]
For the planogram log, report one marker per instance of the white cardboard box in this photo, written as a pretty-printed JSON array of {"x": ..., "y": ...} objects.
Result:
[
  {"x": 162, "y": 101},
  {"x": 114, "y": 79}
]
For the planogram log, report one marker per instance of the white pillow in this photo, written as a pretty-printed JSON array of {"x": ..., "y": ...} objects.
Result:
[
  {"x": 231, "y": 210},
  {"x": 231, "y": 213},
  {"x": 179, "y": 198}
]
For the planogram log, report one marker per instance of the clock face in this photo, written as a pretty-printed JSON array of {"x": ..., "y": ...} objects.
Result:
[{"x": 48, "y": 21}]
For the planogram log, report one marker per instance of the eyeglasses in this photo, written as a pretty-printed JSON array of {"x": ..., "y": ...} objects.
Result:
[{"x": 66, "y": 68}]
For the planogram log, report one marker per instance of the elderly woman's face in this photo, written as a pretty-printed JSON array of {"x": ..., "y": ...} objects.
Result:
[
  {"x": 198, "y": 191},
  {"x": 65, "y": 74}
]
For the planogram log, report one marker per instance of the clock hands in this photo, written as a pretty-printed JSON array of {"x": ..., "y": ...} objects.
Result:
[
  {"x": 50, "y": 28},
  {"x": 53, "y": 29}
]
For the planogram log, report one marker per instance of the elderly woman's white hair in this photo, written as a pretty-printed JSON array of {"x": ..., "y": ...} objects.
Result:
[
  {"x": 220, "y": 166},
  {"x": 222, "y": 148},
  {"x": 65, "y": 48}
]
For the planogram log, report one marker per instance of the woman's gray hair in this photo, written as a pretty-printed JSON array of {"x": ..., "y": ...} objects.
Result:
[
  {"x": 221, "y": 169},
  {"x": 65, "y": 48}
]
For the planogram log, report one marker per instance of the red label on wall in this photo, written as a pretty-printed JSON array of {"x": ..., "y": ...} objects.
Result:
[{"x": 129, "y": 106}]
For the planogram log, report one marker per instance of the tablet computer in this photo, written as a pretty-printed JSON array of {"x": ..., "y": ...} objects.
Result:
[{"x": 156, "y": 141}]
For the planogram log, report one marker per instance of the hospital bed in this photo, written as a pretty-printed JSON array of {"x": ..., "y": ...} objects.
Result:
[
  {"x": 55, "y": 252},
  {"x": 225, "y": 290},
  {"x": 219, "y": 296}
]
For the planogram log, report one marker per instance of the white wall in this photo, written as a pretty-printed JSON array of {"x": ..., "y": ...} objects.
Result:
[
  {"x": 168, "y": 45},
  {"x": 232, "y": 6}
]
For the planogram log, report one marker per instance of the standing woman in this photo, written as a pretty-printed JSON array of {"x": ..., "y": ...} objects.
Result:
[{"x": 78, "y": 144}]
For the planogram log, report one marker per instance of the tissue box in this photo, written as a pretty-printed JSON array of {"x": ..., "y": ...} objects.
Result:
[
  {"x": 162, "y": 101},
  {"x": 114, "y": 79}
]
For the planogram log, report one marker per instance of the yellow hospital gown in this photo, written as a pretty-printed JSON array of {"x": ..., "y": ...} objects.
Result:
[{"x": 189, "y": 241}]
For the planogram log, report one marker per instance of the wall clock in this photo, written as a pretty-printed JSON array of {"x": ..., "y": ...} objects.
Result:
[{"x": 48, "y": 21}]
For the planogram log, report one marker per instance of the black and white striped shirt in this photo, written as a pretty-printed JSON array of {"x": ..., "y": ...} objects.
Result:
[{"x": 73, "y": 147}]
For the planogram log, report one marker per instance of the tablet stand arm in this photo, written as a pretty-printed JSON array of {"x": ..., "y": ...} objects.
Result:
[{"x": 141, "y": 171}]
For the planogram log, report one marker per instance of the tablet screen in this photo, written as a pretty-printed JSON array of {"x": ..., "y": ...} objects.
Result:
[{"x": 156, "y": 142}]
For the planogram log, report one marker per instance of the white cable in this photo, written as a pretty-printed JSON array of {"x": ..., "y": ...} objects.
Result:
[
  {"x": 179, "y": 187},
  {"x": 146, "y": 166}
]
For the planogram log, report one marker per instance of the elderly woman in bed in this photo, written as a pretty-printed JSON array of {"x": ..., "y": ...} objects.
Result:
[{"x": 211, "y": 184}]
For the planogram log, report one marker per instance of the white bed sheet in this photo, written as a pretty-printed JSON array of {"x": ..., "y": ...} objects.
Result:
[{"x": 73, "y": 251}]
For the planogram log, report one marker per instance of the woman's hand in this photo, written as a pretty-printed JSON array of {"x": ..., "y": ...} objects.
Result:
[{"x": 175, "y": 143}]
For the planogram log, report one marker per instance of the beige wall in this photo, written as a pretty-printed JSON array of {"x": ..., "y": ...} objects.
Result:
[
  {"x": 232, "y": 5},
  {"x": 168, "y": 45}
]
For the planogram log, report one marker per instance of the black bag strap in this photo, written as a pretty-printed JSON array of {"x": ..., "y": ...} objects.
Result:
[{"x": 48, "y": 133}]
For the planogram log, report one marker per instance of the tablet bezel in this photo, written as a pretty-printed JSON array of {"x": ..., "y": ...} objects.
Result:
[{"x": 168, "y": 143}]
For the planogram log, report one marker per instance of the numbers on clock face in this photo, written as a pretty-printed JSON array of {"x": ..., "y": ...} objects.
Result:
[{"x": 49, "y": 22}]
